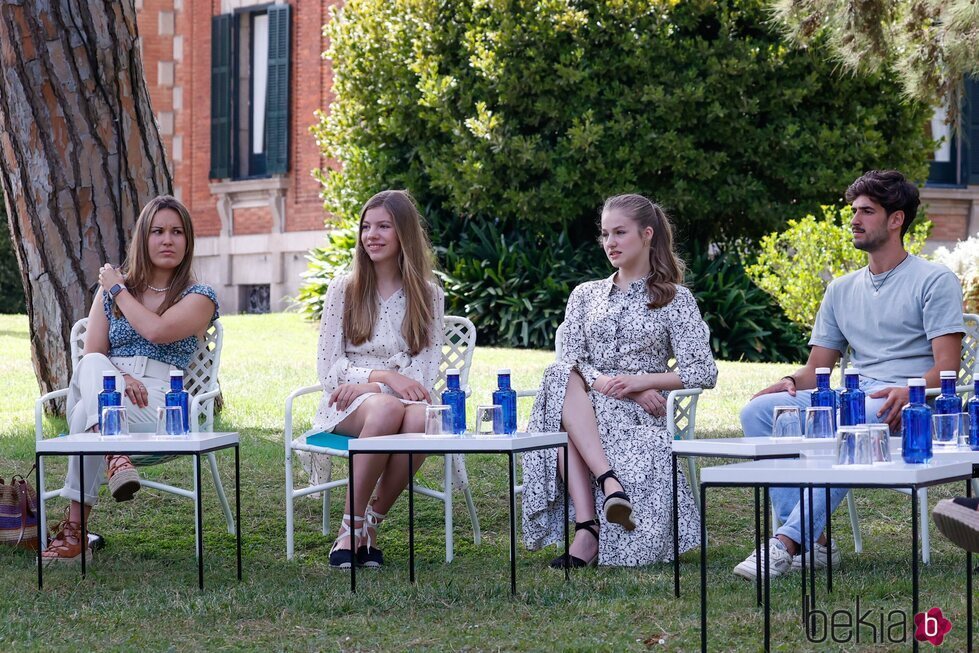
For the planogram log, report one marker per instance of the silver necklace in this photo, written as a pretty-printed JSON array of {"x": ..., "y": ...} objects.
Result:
[
  {"x": 877, "y": 286},
  {"x": 168, "y": 288}
]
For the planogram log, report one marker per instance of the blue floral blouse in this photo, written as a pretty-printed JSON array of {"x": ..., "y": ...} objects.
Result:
[{"x": 125, "y": 341}]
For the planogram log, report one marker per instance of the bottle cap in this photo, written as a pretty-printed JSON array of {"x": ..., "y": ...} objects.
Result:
[
  {"x": 916, "y": 383},
  {"x": 852, "y": 370},
  {"x": 823, "y": 370},
  {"x": 451, "y": 371},
  {"x": 107, "y": 374},
  {"x": 948, "y": 374},
  {"x": 174, "y": 373},
  {"x": 502, "y": 371}
]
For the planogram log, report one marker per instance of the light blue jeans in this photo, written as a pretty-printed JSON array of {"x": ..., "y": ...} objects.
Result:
[{"x": 756, "y": 421}]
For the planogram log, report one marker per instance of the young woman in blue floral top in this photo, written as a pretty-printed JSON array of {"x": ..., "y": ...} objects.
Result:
[{"x": 147, "y": 319}]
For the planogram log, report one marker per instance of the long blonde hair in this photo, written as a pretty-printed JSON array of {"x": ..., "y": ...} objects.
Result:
[
  {"x": 416, "y": 260},
  {"x": 665, "y": 267},
  {"x": 137, "y": 267}
]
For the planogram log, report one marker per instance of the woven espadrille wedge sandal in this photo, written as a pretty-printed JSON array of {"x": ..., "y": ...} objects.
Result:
[
  {"x": 345, "y": 558},
  {"x": 123, "y": 477},
  {"x": 618, "y": 505}
]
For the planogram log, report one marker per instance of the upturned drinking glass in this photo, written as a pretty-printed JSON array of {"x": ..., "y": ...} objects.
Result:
[
  {"x": 170, "y": 420},
  {"x": 853, "y": 445},
  {"x": 489, "y": 420},
  {"x": 945, "y": 429},
  {"x": 880, "y": 443},
  {"x": 115, "y": 421},
  {"x": 819, "y": 422},
  {"x": 438, "y": 420},
  {"x": 786, "y": 422}
]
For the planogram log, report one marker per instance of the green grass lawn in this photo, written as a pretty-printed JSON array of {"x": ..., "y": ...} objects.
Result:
[{"x": 141, "y": 592}]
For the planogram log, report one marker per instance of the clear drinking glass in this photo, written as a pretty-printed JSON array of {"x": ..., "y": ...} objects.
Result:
[
  {"x": 945, "y": 429},
  {"x": 964, "y": 430},
  {"x": 170, "y": 420},
  {"x": 863, "y": 452},
  {"x": 819, "y": 422},
  {"x": 853, "y": 445},
  {"x": 786, "y": 422},
  {"x": 880, "y": 443},
  {"x": 489, "y": 420},
  {"x": 438, "y": 420},
  {"x": 115, "y": 420}
]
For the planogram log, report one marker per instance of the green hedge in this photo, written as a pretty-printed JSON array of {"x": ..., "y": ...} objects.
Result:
[
  {"x": 531, "y": 113},
  {"x": 745, "y": 323},
  {"x": 514, "y": 286},
  {"x": 795, "y": 266}
]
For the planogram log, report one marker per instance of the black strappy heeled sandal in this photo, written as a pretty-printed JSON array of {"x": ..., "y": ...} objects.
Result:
[
  {"x": 574, "y": 562},
  {"x": 618, "y": 505}
]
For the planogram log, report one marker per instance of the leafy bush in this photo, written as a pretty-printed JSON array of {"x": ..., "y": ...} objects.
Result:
[
  {"x": 528, "y": 112},
  {"x": 745, "y": 323},
  {"x": 513, "y": 285},
  {"x": 324, "y": 264},
  {"x": 11, "y": 287},
  {"x": 796, "y": 265},
  {"x": 963, "y": 260}
]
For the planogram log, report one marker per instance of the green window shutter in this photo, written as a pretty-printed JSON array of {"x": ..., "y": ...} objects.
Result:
[
  {"x": 970, "y": 130},
  {"x": 277, "y": 92},
  {"x": 221, "y": 104}
]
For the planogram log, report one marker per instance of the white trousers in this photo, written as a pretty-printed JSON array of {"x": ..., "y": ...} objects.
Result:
[{"x": 83, "y": 414}]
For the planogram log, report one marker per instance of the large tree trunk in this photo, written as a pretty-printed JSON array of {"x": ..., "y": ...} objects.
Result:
[{"x": 80, "y": 154}]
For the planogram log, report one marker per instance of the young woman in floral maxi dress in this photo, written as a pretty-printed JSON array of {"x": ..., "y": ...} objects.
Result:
[{"x": 608, "y": 392}]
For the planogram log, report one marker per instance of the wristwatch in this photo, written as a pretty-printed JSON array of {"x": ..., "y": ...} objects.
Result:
[{"x": 115, "y": 290}]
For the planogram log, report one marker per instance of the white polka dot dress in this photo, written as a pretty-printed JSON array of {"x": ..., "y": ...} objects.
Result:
[{"x": 339, "y": 361}]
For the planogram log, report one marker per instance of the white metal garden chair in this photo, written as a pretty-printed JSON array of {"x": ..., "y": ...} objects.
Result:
[
  {"x": 964, "y": 387},
  {"x": 681, "y": 414},
  {"x": 200, "y": 382},
  {"x": 457, "y": 353}
]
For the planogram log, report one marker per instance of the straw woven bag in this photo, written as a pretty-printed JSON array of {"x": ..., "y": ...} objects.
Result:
[{"x": 18, "y": 513}]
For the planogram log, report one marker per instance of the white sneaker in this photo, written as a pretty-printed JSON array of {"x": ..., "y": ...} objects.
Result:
[
  {"x": 779, "y": 561},
  {"x": 820, "y": 557}
]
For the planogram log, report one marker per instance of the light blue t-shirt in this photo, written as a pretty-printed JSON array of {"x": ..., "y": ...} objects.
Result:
[{"x": 890, "y": 329}]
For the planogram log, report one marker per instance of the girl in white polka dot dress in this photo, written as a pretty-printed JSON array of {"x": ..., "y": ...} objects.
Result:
[{"x": 379, "y": 351}]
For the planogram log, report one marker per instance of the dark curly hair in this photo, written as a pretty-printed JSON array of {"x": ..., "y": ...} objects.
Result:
[{"x": 890, "y": 189}]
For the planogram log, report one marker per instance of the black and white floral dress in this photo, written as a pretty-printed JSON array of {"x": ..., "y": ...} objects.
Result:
[{"x": 611, "y": 331}]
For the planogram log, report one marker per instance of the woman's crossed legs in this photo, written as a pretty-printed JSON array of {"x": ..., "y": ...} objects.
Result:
[
  {"x": 586, "y": 459},
  {"x": 386, "y": 473}
]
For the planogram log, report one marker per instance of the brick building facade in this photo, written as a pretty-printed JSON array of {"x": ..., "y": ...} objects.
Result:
[
  {"x": 951, "y": 195},
  {"x": 255, "y": 219}
]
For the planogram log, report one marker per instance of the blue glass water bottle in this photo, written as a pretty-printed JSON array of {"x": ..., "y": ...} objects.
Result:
[
  {"x": 853, "y": 401},
  {"x": 109, "y": 397},
  {"x": 823, "y": 395},
  {"x": 948, "y": 403},
  {"x": 507, "y": 398},
  {"x": 916, "y": 425},
  {"x": 455, "y": 399},
  {"x": 178, "y": 397},
  {"x": 974, "y": 419}
]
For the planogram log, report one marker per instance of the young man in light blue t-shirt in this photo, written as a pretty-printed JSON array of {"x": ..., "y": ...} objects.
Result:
[{"x": 901, "y": 316}]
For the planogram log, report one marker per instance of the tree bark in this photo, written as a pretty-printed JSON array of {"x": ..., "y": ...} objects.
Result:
[{"x": 80, "y": 154}]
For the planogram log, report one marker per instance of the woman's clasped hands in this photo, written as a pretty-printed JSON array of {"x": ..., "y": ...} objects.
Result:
[
  {"x": 109, "y": 276},
  {"x": 631, "y": 387},
  {"x": 405, "y": 387}
]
